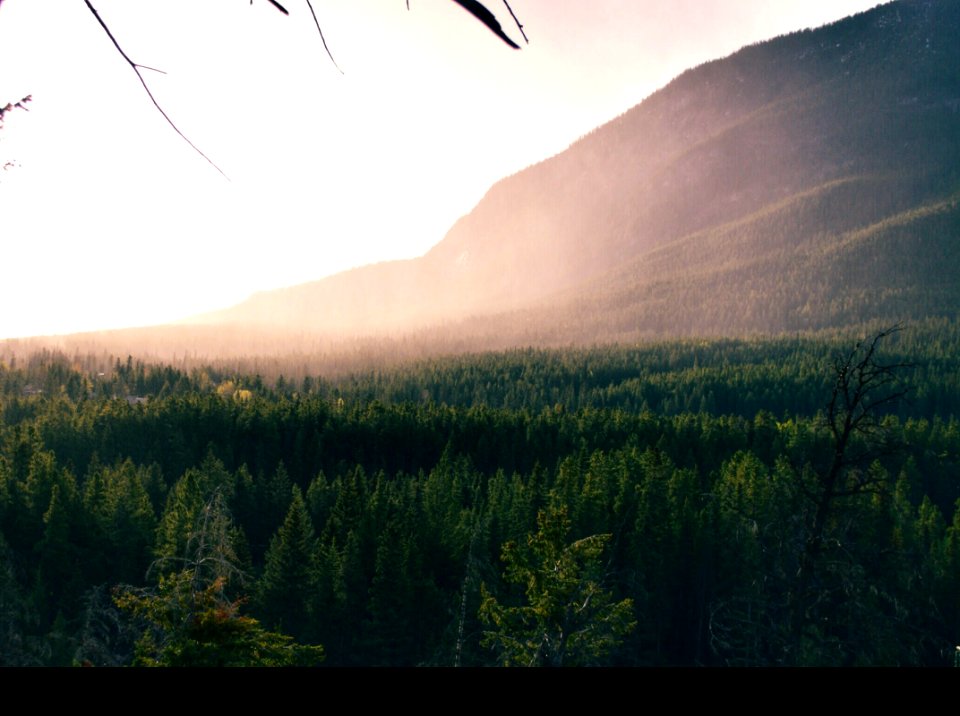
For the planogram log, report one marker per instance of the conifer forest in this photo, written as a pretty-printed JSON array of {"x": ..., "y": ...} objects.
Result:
[{"x": 780, "y": 501}]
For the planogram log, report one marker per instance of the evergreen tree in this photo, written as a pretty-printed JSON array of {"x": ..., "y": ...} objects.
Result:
[
  {"x": 59, "y": 572},
  {"x": 570, "y": 618},
  {"x": 187, "y": 626},
  {"x": 289, "y": 579},
  {"x": 17, "y": 617},
  {"x": 185, "y": 507},
  {"x": 389, "y": 634}
]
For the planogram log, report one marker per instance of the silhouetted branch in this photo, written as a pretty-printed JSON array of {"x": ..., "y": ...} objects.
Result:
[
  {"x": 475, "y": 8},
  {"x": 862, "y": 385},
  {"x": 517, "y": 20},
  {"x": 136, "y": 68},
  {"x": 277, "y": 5},
  {"x": 22, "y": 104},
  {"x": 487, "y": 18},
  {"x": 152, "y": 69},
  {"x": 322, "y": 38}
]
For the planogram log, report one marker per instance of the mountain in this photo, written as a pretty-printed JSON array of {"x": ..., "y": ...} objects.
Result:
[{"x": 811, "y": 181}]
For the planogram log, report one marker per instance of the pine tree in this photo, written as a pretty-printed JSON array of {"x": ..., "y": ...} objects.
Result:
[
  {"x": 388, "y": 633},
  {"x": 58, "y": 572},
  {"x": 290, "y": 575},
  {"x": 569, "y": 618},
  {"x": 187, "y": 626},
  {"x": 185, "y": 505}
]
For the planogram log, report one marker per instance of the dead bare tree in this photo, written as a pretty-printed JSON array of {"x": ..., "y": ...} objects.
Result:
[
  {"x": 810, "y": 584},
  {"x": 864, "y": 387}
]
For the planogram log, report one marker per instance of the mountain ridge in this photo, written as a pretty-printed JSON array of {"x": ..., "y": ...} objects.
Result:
[
  {"x": 726, "y": 202},
  {"x": 723, "y": 142}
]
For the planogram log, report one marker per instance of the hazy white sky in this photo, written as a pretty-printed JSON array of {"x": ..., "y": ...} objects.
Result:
[{"x": 109, "y": 219}]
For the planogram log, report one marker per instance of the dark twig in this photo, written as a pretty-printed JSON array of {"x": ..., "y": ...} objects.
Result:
[
  {"x": 480, "y": 12},
  {"x": 277, "y": 5},
  {"x": 516, "y": 20},
  {"x": 322, "y": 38},
  {"x": 22, "y": 104},
  {"x": 10, "y": 106},
  {"x": 136, "y": 68}
]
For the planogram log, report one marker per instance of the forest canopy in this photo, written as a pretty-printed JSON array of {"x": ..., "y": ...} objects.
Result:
[{"x": 406, "y": 517}]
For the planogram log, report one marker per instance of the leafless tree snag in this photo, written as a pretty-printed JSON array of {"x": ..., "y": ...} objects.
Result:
[{"x": 864, "y": 385}]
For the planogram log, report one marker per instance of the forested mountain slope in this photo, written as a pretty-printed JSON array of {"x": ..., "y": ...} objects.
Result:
[{"x": 809, "y": 181}]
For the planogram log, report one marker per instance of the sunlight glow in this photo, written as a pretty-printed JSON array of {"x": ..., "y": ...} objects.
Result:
[{"x": 111, "y": 220}]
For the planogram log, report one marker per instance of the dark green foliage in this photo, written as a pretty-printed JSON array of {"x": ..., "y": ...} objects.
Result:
[
  {"x": 186, "y": 509},
  {"x": 569, "y": 617},
  {"x": 58, "y": 571},
  {"x": 289, "y": 581},
  {"x": 191, "y": 628},
  {"x": 690, "y": 474},
  {"x": 17, "y": 618}
]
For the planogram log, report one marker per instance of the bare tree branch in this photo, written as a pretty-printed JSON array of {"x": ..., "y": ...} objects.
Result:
[
  {"x": 487, "y": 18},
  {"x": 322, "y": 38},
  {"x": 10, "y": 106},
  {"x": 862, "y": 385},
  {"x": 474, "y": 7},
  {"x": 136, "y": 68},
  {"x": 516, "y": 20},
  {"x": 22, "y": 104},
  {"x": 152, "y": 69}
]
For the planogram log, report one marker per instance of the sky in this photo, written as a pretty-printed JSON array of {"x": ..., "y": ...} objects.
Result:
[{"x": 108, "y": 219}]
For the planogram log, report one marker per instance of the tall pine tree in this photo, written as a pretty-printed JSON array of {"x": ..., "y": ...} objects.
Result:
[{"x": 290, "y": 575}]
